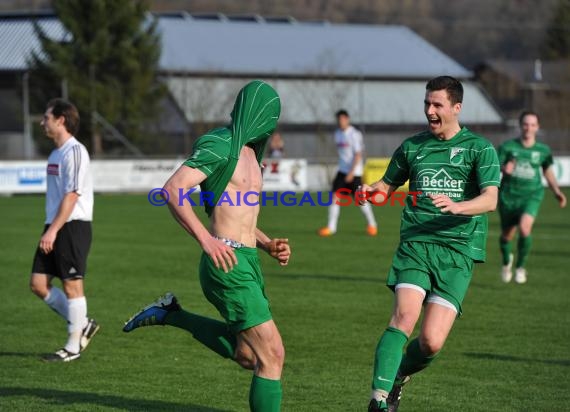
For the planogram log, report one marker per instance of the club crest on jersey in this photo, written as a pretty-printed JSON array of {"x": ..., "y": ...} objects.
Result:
[
  {"x": 535, "y": 157},
  {"x": 456, "y": 155}
]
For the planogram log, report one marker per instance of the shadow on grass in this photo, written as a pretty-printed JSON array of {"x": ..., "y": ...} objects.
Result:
[
  {"x": 376, "y": 280},
  {"x": 511, "y": 358},
  {"x": 67, "y": 398},
  {"x": 21, "y": 354}
]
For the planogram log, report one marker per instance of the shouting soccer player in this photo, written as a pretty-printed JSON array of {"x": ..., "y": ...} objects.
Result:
[
  {"x": 226, "y": 161},
  {"x": 441, "y": 236},
  {"x": 522, "y": 192}
]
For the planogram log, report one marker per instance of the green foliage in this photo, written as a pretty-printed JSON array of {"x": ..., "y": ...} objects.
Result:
[
  {"x": 509, "y": 351},
  {"x": 109, "y": 61},
  {"x": 557, "y": 42}
]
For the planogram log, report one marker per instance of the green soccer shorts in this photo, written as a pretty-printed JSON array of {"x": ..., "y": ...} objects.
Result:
[
  {"x": 435, "y": 268},
  {"x": 238, "y": 295},
  {"x": 512, "y": 208}
]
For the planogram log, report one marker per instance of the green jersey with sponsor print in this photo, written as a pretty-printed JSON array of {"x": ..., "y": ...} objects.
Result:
[
  {"x": 525, "y": 181},
  {"x": 459, "y": 168}
]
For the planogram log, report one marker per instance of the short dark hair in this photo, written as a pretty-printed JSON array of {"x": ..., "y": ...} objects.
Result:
[
  {"x": 341, "y": 112},
  {"x": 528, "y": 113},
  {"x": 61, "y": 107},
  {"x": 451, "y": 85}
]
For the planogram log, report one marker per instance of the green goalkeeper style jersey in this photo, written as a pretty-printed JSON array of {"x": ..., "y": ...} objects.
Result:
[
  {"x": 525, "y": 181},
  {"x": 459, "y": 168}
]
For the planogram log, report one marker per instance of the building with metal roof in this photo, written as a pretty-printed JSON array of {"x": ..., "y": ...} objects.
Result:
[{"x": 377, "y": 73}]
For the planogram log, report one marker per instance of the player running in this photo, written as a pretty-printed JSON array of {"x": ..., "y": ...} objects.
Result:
[
  {"x": 522, "y": 192},
  {"x": 226, "y": 161},
  {"x": 350, "y": 147},
  {"x": 441, "y": 236}
]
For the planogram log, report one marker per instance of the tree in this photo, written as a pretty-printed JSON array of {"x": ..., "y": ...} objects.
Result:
[
  {"x": 107, "y": 63},
  {"x": 557, "y": 42}
]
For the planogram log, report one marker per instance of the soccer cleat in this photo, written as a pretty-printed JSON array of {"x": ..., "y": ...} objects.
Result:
[
  {"x": 371, "y": 230},
  {"x": 395, "y": 394},
  {"x": 520, "y": 275},
  {"x": 375, "y": 406},
  {"x": 507, "y": 270},
  {"x": 88, "y": 332},
  {"x": 325, "y": 232},
  {"x": 153, "y": 314},
  {"x": 61, "y": 355}
]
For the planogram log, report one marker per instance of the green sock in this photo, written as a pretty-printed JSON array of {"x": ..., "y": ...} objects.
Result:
[
  {"x": 414, "y": 360},
  {"x": 506, "y": 249},
  {"x": 210, "y": 332},
  {"x": 524, "y": 245},
  {"x": 265, "y": 395},
  {"x": 388, "y": 358}
]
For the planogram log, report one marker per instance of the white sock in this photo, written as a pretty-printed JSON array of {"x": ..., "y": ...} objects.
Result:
[
  {"x": 379, "y": 395},
  {"x": 73, "y": 341},
  {"x": 369, "y": 214},
  {"x": 334, "y": 212},
  {"x": 57, "y": 301},
  {"x": 77, "y": 308}
]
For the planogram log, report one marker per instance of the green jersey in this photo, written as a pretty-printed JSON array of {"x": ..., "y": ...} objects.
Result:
[
  {"x": 525, "y": 181},
  {"x": 254, "y": 118},
  {"x": 459, "y": 168}
]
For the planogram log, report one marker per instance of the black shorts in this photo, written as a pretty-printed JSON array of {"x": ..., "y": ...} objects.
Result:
[
  {"x": 68, "y": 259},
  {"x": 339, "y": 183}
]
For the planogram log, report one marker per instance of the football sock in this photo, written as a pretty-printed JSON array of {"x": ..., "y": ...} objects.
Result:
[
  {"x": 334, "y": 212},
  {"x": 524, "y": 245},
  {"x": 77, "y": 309},
  {"x": 387, "y": 360},
  {"x": 57, "y": 301},
  {"x": 414, "y": 360},
  {"x": 506, "y": 248},
  {"x": 369, "y": 214},
  {"x": 210, "y": 332},
  {"x": 265, "y": 395}
]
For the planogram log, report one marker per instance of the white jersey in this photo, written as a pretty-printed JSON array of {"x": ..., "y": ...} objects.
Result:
[
  {"x": 348, "y": 143},
  {"x": 68, "y": 171}
]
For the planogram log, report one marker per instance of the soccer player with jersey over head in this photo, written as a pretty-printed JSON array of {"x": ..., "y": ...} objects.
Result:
[
  {"x": 64, "y": 246},
  {"x": 441, "y": 236},
  {"x": 522, "y": 192},
  {"x": 227, "y": 161}
]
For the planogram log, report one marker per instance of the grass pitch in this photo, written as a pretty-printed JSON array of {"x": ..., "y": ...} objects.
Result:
[{"x": 509, "y": 352}]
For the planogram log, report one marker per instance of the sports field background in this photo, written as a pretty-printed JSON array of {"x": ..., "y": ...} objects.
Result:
[{"x": 509, "y": 352}]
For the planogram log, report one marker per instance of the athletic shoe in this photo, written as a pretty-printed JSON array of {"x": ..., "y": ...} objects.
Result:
[
  {"x": 88, "y": 332},
  {"x": 375, "y": 406},
  {"x": 507, "y": 271},
  {"x": 395, "y": 394},
  {"x": 371, "y": 230},
  {"x": 520, "y": 275},
  {"x": 325, "y": 232},
  {"x": 61, "y": 355},
  {"x": 153, "y": 314}
]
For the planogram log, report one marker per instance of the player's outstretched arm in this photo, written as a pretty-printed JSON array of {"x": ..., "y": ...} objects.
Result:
[
  {"x": 277, "y": 248},
  {"x": 553, "y": 185},
  {"x": 179, "y": 183},
  {"x": 485, "y": 202},
  {"x": 368, "y": 193}
]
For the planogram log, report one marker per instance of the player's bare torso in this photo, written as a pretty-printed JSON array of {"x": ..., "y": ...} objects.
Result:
[{"x": 237, "y": 221}]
